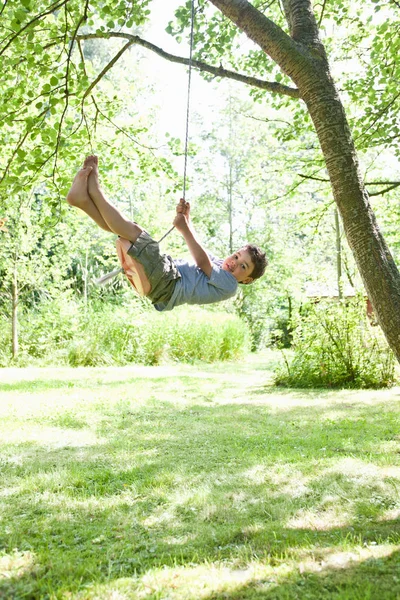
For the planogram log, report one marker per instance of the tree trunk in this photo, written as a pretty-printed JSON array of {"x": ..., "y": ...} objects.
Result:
[
  {"x": 301, "y": 56},
  {"x": 378, "y": 271},
  {"x": 14, "y": 312}
]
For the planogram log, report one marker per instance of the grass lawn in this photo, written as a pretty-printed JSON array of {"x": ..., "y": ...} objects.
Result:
[{"x": 201, "y": 483}]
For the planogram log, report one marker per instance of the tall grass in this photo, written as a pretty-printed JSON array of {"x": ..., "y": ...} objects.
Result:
[{"x": 66, "y": 333}]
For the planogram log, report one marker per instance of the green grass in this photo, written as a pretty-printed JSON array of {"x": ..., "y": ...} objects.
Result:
[{"x": 196, "y": 483}]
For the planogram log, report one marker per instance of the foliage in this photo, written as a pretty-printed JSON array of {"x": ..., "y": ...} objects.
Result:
[
  {"x": 64, "y": 331},
  {"x": 336, "y": 346},
  {"x": 57, "y": 105},
  {"x": 62, "y": 96},
  {"x": 58, "y": 94}
]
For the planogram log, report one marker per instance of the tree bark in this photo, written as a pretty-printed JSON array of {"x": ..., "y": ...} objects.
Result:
[{"x": 302, "y": 57}]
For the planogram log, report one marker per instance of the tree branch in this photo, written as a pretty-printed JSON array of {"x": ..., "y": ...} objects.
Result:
[
  {"x": 106, "y": 68},
  {"x": 22, "y": 109},
  {"x": 322, "y": 13},
  {"x": 270, "y": 86},
  {"x": 392, "y": 184},
  {"x": 313, "y": 178},
  {"x": 52, "y": 8},
  {"x": 301, "y": 19},
  {"x": 17, "y": 147},
  {"x": 285, "y": 51},
  {"x": 264, "y": 120},
  {"x": 3, "y": 7},
  {"x": 83, "y": 101},
  {"x": 82, "y": 19},
  {"x": 380, "y": 113}
]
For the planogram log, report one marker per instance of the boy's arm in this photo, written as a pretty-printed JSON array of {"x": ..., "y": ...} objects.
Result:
[{"x": 197, "y": 251}]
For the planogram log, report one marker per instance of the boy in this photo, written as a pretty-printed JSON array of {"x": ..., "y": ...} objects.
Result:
[{"x": 173, "y": 282}]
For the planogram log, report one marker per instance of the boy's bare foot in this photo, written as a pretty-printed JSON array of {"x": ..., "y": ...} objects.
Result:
[
  {"x": 93, "y": 180},
  {"x": 78, "y": 196},
  {"x": 78, "y": 193},
  {"x": 115, "y": 221}
]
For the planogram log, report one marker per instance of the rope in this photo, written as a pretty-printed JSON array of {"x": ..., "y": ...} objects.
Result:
[
  {"x": 187, "y": 113},
  {"x": 103, "y": 280},
  {"x": 188, "y": 100}
]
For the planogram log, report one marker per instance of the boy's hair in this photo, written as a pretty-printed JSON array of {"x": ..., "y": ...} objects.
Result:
[{"x": 259, "y": 260}]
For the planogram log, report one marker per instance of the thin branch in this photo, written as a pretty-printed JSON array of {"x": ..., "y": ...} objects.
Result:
[
  {"x": 264, "y": 120},
  {"x": 71, "y": 48},
  {"x": 23, "y": 108},
  {"x": 69, "y": 58},
  {"x": 392, "y": 184},
  {"x": 271, "y": 86},
  {"x": 318, "y": 217},
  {"x": 92, "y": 98},
  {"x": 391, "y": 187},
  {"x": 378, "y": 116},
  {"x": 313, "y": 178},
  {"x": 52, "y": 8},
  {"x": 322, "y": 14},
  {"x": 107, "y": 68},
  {"x": 18, "y": 146},
  {"x": 39, "y": 168},
  {"x": 126, "y": 134},
  {"x": 46, "y": 47},
  {"x": 266, "y": 5},
  {"x": 3, "y": 7},
  {"x": 294, "y": 187}
]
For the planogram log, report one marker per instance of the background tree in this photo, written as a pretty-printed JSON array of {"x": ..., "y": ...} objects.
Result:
[{"x": 61, "y": 111}]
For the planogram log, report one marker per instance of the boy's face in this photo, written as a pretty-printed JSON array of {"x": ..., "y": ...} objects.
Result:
[{"x": 240, "y": 265}]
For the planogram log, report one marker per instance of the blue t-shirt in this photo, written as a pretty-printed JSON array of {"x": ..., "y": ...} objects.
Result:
[{"x": 194, "y": 287}]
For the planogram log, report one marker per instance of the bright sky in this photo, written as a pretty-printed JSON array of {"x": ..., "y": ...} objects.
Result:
[{"x": 172, "y": 80}]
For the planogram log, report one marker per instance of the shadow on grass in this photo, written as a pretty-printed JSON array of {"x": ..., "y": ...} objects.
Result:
[
  {"x": 198, "y": 484},
  {"x": 369, "y": 579}
]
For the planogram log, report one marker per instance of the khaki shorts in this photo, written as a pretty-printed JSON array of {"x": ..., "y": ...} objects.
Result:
[{"x": 160, "y": 269}]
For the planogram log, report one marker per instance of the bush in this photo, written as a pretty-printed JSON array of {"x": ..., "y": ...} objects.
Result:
[{"x": 336, "y": 346}]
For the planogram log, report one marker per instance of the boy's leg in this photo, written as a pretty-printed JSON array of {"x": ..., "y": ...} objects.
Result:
[
  {"x": 111, "y": 215},
  {"x": 78, "y": 196}
]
